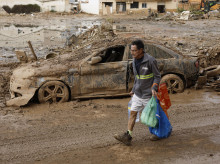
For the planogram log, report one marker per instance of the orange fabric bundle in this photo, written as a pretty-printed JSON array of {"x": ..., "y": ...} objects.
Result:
[{"x": 164, "y": 98}]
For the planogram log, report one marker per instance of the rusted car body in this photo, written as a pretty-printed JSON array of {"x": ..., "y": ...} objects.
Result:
[{"x": 106, "y": 72}]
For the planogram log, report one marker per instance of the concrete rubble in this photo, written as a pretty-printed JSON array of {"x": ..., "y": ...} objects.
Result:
[{"x": 183, "y": 16}]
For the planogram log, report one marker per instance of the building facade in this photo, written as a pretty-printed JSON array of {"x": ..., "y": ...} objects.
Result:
[
  {"x": 106, "y": 7},
  {"x": 99, "y": 7}
]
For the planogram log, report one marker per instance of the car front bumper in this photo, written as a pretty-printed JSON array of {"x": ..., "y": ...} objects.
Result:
[{"x": 21, "y": 91}]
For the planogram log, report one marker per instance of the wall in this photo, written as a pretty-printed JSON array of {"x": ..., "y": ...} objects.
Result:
[
  {"x": 90, "y": 6},
  {"x": 68, "y": 6},
  {"x": 150, "y": 5},
  {"x": 171, "y": 5},
  {"x": 59, "y": 5},
  {"x": 102, "y": 6}
]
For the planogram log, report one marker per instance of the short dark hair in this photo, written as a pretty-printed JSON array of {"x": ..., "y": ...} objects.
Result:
[{"x": 139, "y": 43}]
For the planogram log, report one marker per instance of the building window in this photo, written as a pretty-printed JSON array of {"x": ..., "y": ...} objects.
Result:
[
  {"x": 144, "y": 5},
  {"x": 120, "y": 6},
  {"x": 53, "y": 8},
  {"x": 183, "y": 1},
  {"x": 73, "y": 1},
  {"x": 108, "y": 4},
  {"x": 161, "y": 8},
  {"x": 134, "y": 5}
]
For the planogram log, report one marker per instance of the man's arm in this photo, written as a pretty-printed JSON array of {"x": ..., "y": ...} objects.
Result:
[
  {"x": 157, "y": 77},
  {"x": 132, "y": 91}
]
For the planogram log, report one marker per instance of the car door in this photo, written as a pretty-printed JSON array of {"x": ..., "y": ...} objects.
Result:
[{"x": 106, "y": 77}]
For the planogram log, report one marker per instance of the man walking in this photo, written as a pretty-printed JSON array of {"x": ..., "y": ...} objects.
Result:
[{"x": 147, "y": 79}]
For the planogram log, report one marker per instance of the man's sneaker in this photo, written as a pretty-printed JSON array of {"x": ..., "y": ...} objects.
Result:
[
  {"x": 124, "y": 138},
  {"x": 154, "y": 138}
]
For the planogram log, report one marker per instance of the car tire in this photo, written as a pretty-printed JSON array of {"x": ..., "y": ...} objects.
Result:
[
  {"x": 53, "y": 92},
  {"x": 174, "y": 83}
]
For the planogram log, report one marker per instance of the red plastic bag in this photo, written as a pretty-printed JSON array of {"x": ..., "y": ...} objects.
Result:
[{"x": 164, "y": 98}]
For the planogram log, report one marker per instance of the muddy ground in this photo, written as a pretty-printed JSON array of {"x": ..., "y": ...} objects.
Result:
[{"x": 82, "y": 132}]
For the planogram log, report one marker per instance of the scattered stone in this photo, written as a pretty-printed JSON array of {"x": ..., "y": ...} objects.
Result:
[{"x": 214, "y": 13}]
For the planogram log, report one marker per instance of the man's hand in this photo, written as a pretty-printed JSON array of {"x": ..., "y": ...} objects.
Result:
[
  {"x": 131, "y": 93},
  {"x": 154, "y": 93}
]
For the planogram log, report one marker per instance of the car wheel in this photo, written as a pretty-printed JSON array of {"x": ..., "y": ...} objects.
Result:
[
  {"x": 174, "y": 83},
  {"x": 53, "y": 92}
]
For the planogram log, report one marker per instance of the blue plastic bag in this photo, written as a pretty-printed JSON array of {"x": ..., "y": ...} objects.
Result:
[{"x": 164, "y": 128}]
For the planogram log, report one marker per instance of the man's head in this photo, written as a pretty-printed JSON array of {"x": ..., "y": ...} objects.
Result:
[{"x": 137, "y": 49}]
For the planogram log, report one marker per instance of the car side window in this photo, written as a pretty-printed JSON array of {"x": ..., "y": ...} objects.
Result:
[
  {"x": 113, "y": 54},
  {"x": 157, "y": 52}
]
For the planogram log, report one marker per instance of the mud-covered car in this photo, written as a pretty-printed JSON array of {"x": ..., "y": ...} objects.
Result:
[{"x": 105, "y": 72}]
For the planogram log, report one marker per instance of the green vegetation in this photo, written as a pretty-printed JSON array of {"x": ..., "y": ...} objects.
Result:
[
  {"x": 30, "y": 8},
  {"x": 53, "y": 11},
  {"x": 197, "y": 12},
  {"x": 179, "y": 10},
  {"x": 7, "y": 9}
]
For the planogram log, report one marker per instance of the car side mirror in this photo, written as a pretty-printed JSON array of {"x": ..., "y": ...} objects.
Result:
[{"x": 95, "y": 60}]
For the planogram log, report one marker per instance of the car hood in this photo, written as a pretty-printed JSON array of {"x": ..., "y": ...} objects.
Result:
[
  {"x": 43, "y": 68},
  {"x": 23, "y": 72}
]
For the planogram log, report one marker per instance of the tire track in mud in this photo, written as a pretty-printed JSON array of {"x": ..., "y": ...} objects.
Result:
[
  {"x": 58, "y": 132},
  {"x": 51, "y": 140},
  {"x": 195, "y": 114},
  {"x": 41, "y": 145}
]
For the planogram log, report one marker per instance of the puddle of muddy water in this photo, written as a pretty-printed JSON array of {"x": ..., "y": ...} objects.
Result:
[
  {"x": 43, "y": 37},
  {"x": 195, "y": 96},
  {"x": 215, "y": 138}
]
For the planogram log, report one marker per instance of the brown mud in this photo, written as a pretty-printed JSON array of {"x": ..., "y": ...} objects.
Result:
[{"x": 82, "y": 132}]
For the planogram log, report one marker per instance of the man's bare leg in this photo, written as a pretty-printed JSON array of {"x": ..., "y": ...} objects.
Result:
[
  {"x": 126, "y": 137},
  {"x": 131, "y": 121}
]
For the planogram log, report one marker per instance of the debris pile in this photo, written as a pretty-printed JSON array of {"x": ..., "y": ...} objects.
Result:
[
  {"x": 5, "y": 74},
  {"x": 209, "y": 57},
  {"x": 214, "y": 13},
  {"x": 185, "y": 15},
  {"x": 88, "y": 39},
  {"x": 214, "y": 84},
  {"x": 104, "y": 31},
  {"x": 209, "y": 68},
  {"x": 213, "y": 56}
]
